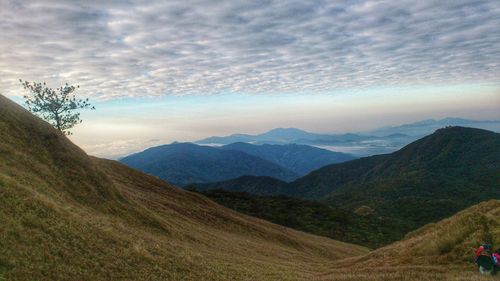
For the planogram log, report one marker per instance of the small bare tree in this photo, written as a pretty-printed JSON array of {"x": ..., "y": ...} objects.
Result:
[{"x": 58, "y": 107}]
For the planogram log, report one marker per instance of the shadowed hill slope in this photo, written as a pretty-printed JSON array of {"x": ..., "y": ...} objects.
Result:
[
  {"x": 459, "y": 153},
  {"x": 300, "y": 159},
  {"x": 442, "y": 173},
  {"x": 248, "y": 184},
  {"x": 427, "y": 180},
  {"x": 67, "y": 216},
  {"x": 186, "y": 163},
  {"x": 360, "y": 227}
]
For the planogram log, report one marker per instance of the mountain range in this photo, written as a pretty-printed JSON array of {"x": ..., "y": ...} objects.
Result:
[
  {"x": 428, "y": 126},
  {"x": 425, "y": 181},
  {"x": 186, "y": 163},
  {"x": 379, "y": 141},
  {"x": 300, "y": 159}
]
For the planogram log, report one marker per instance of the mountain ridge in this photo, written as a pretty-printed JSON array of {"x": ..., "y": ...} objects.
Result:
[
  {"x": 300, "y": 159},
  {"x": 442, "y": 173},
  {"x": 360, "y": 144},
  {"x": 186, "y": 163},
  {"x": 379, "y": 132}
]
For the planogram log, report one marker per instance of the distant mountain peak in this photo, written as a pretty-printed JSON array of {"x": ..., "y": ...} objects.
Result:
[
  {"x": 428, "y": 126},
  {"x": 286, "y": 133},
  {"x": 288, "y": 130},
  {"x": 460, "y": 130}
]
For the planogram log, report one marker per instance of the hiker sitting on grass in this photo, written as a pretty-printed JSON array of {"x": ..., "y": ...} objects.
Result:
[{"x": 484, "y": 259}]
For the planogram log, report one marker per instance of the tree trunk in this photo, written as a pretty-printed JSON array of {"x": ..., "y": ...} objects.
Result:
[{"x": 58, "y": 122}]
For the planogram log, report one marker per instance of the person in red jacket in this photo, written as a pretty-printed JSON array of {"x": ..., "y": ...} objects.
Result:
[
  {"x": 483, "y": 250},
  {"x": 483, "y": 258}
]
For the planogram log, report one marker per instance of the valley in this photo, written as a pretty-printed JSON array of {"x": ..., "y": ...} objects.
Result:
[{"x": 69, "y": 212}]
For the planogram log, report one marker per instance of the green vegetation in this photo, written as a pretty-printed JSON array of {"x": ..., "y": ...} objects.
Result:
[
  {"x": 58, "y": 107},
  {"x": 426, "y": 181},
  {"x": 313, "y": 217},
  {"x": 247, "y": 184},
  {"x": 300, "y": 159},
  {"x": 4, "y": 266},
  {"x": 186, "y": 163}
]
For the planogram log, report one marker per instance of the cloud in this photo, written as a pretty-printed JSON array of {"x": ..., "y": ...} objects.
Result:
[
  {"x": 119, "y": 148},
  {"x": 136, "y": 48}
]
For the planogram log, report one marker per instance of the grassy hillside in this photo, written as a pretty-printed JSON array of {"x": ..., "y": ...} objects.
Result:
[
  {"x": 451, "y": 240},
  {"x": 186, "y": 163},
  {"x": 67, "y": 216},
  {"x": 361, "y": 227},
  {"x": 440, "y": 251}
]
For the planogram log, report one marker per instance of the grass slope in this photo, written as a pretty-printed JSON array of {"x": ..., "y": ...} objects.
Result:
[
  {"x": 438, "y": 251},
  {"x": 67, "y": 216}
]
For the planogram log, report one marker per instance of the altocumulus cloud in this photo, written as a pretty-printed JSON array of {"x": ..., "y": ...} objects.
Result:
[{"x": 153, "y": 48}]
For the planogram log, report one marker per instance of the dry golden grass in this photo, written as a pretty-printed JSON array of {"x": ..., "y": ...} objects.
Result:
[
  {"x": 407, "y": 273},
  {"x": 440, "y": 251},
  {"x": 451, "y": 241}
]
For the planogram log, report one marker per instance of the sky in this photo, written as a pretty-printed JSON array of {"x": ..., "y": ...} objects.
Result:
[{"x": 159, "y": 71}]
